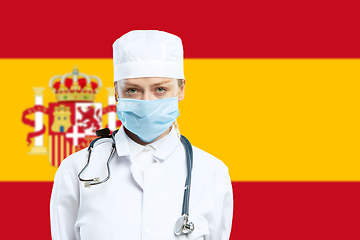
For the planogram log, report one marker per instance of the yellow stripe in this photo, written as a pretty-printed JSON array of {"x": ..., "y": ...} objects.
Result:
[
  {"x": 56, "y": 150},
  {"x": 266, "y": 119}
]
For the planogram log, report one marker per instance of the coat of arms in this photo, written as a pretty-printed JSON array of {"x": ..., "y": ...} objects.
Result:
[{"x": 73, "y": 119}]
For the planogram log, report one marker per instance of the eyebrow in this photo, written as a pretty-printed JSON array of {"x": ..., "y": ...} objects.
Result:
[
  {"x": 160, "y": 83},
  {"x": 131, "y": 84}
]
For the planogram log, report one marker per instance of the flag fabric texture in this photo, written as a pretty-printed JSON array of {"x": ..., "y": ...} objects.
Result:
[{"x": 272, "y": 89}]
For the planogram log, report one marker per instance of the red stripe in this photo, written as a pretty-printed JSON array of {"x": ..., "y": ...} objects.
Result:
[
  {"x": 223, "y": 29},
  {"x": 59, "y": 149},
  {"x": 25, "y": 210},
  {"x": 263, "y": 210},
  {"x": 71, "y": 149}
]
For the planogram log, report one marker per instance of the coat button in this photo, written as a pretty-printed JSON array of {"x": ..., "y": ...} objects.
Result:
[{"x": 147, "y": 230}]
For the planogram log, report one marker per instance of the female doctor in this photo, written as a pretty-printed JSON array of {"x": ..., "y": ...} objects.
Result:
[{"x": 143, "y": 198}]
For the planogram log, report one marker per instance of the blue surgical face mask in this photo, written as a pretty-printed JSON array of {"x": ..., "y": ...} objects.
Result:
[{"x": 148, "y": 119}]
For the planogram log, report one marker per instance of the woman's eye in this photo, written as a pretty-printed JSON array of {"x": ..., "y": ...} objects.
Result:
[
  {"x": 160, "y": 90},
  {"x": 131, "y": 90}
]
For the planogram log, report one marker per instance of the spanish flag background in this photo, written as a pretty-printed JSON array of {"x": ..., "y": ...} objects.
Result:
[{"x": 272, "y": 89}]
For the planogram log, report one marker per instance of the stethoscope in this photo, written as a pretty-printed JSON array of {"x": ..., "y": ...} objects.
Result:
[{"x": 182, "y": 225}]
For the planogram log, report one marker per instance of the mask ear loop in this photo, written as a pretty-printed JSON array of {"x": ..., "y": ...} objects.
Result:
[{"x": 175, "y": 124}]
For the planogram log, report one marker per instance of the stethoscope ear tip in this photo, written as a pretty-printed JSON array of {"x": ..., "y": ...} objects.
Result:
[{"x": 88, "y": 184}]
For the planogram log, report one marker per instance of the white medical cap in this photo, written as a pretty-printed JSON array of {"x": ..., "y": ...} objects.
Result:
[{"x": 148, "y": 53}]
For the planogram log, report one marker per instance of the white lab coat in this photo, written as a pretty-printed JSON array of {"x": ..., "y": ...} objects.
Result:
[{"x": 120, "y": 209}]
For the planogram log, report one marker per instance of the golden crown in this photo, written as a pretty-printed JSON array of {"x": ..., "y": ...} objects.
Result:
[
  {"x": 75, "y": 86},
  {"x": 61, "y": 109}
]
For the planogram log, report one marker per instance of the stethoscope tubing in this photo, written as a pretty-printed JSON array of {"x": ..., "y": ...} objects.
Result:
[
  {"x": 189, "y": 163},
  {"x": 96, "y": 181}
]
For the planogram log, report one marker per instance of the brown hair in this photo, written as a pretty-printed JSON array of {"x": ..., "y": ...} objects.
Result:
[{"x": 180, "y": 82}]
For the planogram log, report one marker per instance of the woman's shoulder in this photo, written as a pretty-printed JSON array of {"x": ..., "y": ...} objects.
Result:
[
  {"x": 79, "y": 158},
  {"x": 74, "y": 159}
]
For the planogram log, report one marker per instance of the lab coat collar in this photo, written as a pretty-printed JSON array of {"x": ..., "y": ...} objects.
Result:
[
  {"x": 136, "y": 148},
  {"x": 164, "y": 147},
  {"x": 122, "y": 144},
  {"x": 167, "y": 146}
]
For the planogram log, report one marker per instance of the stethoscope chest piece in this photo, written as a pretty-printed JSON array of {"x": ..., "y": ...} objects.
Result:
[{"x": 182, "y": 226}]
